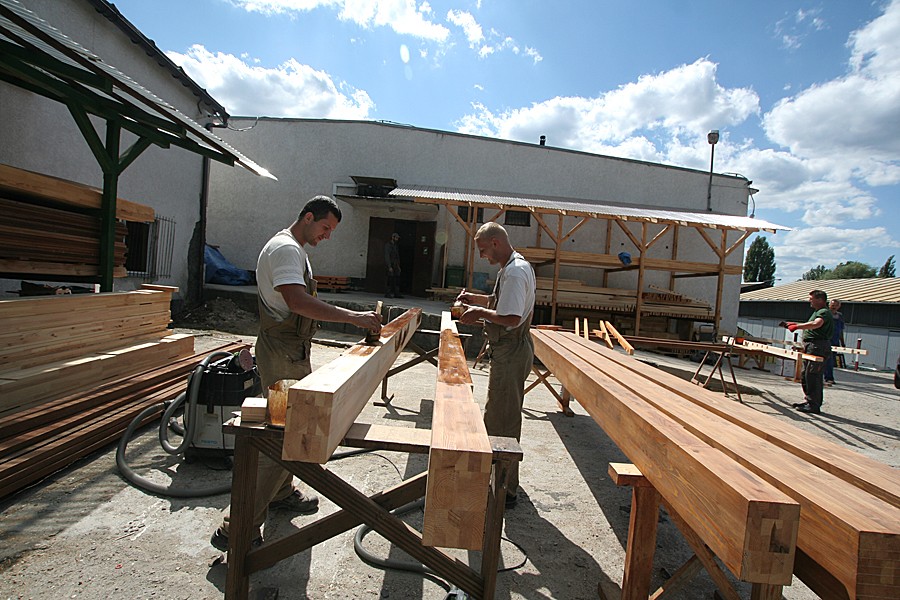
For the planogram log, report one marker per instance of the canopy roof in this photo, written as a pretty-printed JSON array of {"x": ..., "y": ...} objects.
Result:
[
  {"x": 37, "y": 57},
  {"x": 568, "y": 207}
]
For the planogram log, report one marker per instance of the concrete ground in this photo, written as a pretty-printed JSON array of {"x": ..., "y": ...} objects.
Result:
[{"x": 86, "y": 533}]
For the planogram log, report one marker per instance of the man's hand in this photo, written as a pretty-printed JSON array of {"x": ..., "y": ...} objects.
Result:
[
  {"x": 786, "y": 324},
  {"x": 368, "y": 320},
  {"x": 471, "y": 316},
  {"x": 792, "y": 327}
]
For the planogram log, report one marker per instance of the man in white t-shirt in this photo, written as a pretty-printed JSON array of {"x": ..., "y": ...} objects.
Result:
[
  {"x": 288, "y": 313},
  {"x": 507, "y": 317}
]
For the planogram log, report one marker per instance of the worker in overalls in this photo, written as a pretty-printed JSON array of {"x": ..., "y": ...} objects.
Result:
[
  {"x": 288, "y": 315},
  {"x": 507, "y": 317}
]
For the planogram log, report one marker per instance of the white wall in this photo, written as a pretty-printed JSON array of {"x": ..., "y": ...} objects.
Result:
[
  {"x": 310, "y": 157},
  {"x": 40, "y": 135}
]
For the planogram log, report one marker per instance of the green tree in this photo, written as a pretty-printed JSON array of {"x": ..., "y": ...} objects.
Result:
[
  {"x": 760, "y": 262},
  {"x": 887, "y": 269},
  {"x": 851, "y": 270},
  {"x": 816, "y": 273}
]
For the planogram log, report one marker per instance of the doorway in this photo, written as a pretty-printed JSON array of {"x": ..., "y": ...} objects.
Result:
[{"x": 416, "y": 255}]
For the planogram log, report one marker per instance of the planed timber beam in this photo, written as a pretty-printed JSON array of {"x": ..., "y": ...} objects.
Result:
[
  {"x": 459, "y": 462},
  {"x": 322, "y": 406},
  {"x": 749, "y": 524}
]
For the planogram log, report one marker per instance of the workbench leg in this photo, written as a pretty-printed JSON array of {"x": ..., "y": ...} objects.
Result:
[
  {"x": 641, "y": 543},
  {"x": 737, "y": 389},
  {"x": 765, "y": 591},
  {"x": 240, "y": 528},
  {"x": 493, "y": 528}
]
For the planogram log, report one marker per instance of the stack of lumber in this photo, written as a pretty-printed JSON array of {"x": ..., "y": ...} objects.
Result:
[
  {"x": 576, "y": 294},
  {"x": 611, "y": 261},
  {"x": 38, "y": 441},
  {"x": 332, "y": 283},
  {"x": 736, "y": 476},
  {"x": 51, "y": 346},
  {"x": 662, "y": 301},
  {"x": 50, "y": 225}
]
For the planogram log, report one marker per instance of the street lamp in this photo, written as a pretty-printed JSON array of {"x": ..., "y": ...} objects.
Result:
[{"x": 712, "y": 137}]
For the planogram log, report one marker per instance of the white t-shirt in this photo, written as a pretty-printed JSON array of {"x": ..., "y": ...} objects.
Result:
[
  {"x": 516, "y": 288},
  {"x": 281, "y": 261}
]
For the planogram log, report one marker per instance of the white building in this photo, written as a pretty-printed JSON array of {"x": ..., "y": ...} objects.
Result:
[{"x": 358, "y": 162}]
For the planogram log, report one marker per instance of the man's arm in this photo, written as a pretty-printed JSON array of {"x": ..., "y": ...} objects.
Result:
[
  {"x": 474, "y": 299},
  {"x": 302, "y": 303},
  {"x": 814, "y": 324},
  {"x": 473, "y": 313}
]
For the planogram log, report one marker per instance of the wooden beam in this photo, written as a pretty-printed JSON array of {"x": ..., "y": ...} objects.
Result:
[
  {"x": 629, "y": 349},
  {"x": 323, "y": 405},
  {"x": 746, "y": 522},
  {"x": 850, "y": 504},
  {"x": 459, "y": 462}
]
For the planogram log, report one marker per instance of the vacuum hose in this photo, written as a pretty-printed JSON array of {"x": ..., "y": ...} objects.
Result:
[{"x": 169, "y": 409}]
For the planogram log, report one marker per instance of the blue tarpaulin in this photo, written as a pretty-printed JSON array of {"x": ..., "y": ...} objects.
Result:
[{"x": 219, "y": 270}]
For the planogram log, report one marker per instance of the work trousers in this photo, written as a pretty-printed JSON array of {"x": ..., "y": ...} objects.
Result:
[
  {"x": 511, "y": 359},
  {"x": 282, "y": 352},
  {"x": 811, "y": 377}
]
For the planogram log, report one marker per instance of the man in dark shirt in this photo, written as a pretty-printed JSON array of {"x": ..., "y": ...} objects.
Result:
[
  {"x": 817, "y": 332},
  {"x": 392, "y": 264}
]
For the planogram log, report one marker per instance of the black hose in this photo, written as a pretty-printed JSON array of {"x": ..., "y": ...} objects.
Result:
[{"x": 169, "y": 409}]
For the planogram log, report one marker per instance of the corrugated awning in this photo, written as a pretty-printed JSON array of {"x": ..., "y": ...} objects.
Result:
[
  {"x": 875, "y": 289},
  {"x": 569, "y": 207},
  {"x": 37, "y": 57}
]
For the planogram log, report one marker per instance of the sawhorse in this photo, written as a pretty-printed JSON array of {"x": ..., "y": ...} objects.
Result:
[
  {"x": 423, "y": 355},
  {"x": 357, "y": 508},
  {"x": 723, "y": 356},
  {"x": 563, "y": 397},
  {"x": 641, "y": 545}
]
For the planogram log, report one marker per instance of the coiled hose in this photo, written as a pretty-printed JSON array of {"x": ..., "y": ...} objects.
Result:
[{"x": 169, "y": 409}]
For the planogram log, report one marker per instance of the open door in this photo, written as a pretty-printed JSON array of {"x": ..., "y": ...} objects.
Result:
[{"x": 416, "y": 255}]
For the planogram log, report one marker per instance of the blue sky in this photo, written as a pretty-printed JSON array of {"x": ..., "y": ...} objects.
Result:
[{"x": 806, "y": 94}]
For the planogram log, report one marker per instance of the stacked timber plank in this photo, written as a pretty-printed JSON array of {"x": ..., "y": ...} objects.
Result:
[
  {"x": 38, "y": 441},
  {"x": 332, "y": 283},
  {"x": 54, "y": 345},
  {"x": 50, "y": 226},
  {"x": 459, "y": 460},
  {"x": 689, "y": 439},
  {"x": 77, "y": 369}
]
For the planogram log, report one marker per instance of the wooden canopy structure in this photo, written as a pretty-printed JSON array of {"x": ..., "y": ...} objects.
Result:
[
  {"x": 39, "y": 58},
  {"x": 655, "y": 224}
]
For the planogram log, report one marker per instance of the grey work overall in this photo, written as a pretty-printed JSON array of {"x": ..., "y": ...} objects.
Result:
[
  {"x": 512, "y": 354},
  {"x": 282, "y": 352}
]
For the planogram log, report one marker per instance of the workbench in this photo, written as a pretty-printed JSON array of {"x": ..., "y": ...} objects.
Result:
[{"x": 356, "y": 507}]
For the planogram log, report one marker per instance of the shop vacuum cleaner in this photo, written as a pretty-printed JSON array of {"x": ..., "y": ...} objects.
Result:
[{"x": 215, "y": 389}]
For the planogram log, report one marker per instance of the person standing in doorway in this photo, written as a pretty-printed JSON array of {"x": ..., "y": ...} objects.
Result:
[
  {"x": 288, "y": 313},
  {"x": 392, "y": 263},
  {"x": 817, "y": 332},
  {"x": 507, "y": 315},
  {"x": 836, "y": 340}
]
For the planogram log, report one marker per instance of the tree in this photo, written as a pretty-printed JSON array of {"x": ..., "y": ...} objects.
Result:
[
  {"x": 760, "y": 262},
  {"x": 887, "y": 269},
  {"x": 851, "y": 270},
  {"x": 816, "y": 273}
]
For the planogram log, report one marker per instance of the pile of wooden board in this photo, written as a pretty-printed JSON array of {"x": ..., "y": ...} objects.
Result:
[
  {"x": 65, "y": 358},
  {"x": 332, "y": 283},
  {"x": 49, "y": 225}
]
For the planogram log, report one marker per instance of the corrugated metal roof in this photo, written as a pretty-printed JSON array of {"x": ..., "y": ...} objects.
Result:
[
  {"x": 587, "y": 209},
  {"x": 879, "y": 289}
]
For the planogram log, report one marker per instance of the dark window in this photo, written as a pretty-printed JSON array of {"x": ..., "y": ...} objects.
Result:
[
  {"x": 150, "y": 248},
  {"x": 463, "y": 212},
  {"x": 518, "y": 218}
]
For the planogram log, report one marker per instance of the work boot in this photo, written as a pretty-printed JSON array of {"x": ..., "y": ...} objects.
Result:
[
  {"x": 219, "y": 541},
  {"x": 297, "y": 502}
]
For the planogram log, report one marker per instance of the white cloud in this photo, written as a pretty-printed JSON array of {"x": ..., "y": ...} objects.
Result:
[
  {"x": 468, "y": 24},
  {"x": 853, "y": 122},
  {"x": 676, "y": 105},
  {"x": 803, "y": 249},
  {"x": 403, "y": 16},
  {"x": 289, "y": 90}
]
